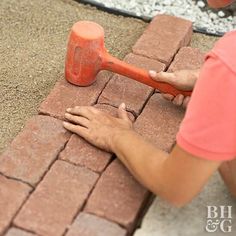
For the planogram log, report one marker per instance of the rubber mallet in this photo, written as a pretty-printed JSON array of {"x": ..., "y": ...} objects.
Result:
[{"x": 87, "y": 55}]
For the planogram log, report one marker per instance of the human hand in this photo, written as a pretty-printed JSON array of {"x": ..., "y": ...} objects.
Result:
[
  {"x": 97, "y": 127},
  {"x": 182, "y": 80}
]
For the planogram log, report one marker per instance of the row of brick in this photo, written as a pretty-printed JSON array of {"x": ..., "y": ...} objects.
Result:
[
  {"x": 81, "y": 153},
  {"x": 63, "y": 191},
  {"x": 115, "y": 198},
  {"x": 60, "y": 196},
  {"x": 156, "y": 124},
  {"x": 153, "y": 51},
  {"x": 84, "y": 225}
]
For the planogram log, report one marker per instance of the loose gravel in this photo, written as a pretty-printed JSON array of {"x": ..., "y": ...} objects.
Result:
[{"x": 204, "y": 19}]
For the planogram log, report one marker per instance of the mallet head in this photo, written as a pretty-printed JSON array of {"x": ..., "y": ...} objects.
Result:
[
  {"x": 84, "y": 53},
  {"x": 86, "y": 56}
]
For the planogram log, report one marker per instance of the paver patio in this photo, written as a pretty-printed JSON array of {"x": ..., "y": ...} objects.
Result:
[{"x": 54, "y": 183}]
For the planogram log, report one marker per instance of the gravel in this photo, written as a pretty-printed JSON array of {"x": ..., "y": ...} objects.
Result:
[{"x": 204, "y": 19}]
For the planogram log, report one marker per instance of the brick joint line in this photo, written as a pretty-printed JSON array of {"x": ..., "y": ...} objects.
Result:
[
  {"x": 19, "y": 209},
  {"x": 105, "y": 85},
  {"x": 85, "y": 202},
  {"x": 111, "y": 105},
  {"x": 32, "y": 191},
  {"x": 17, "y": 179},
  {"x": 149, "y": 196}
]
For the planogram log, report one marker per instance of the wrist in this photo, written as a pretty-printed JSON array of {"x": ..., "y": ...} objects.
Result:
[{"x": 119, "y": 137}]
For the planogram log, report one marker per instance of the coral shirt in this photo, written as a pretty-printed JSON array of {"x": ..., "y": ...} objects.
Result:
[{"x": 209, "y": 128}]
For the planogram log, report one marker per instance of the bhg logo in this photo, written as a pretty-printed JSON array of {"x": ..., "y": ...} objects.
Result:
[{"x": 219, "y": 218}]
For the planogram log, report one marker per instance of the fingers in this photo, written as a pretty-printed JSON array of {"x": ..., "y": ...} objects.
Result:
[
  {"x": 166, "y": 77},
  {"x": 168, "y": 96},
  {"x": 122, "y": 113},
  {"x": 186, "y": 101},
  {"x": 79, "y": 120},
  {"x": 178, "y": 100},
  {"x": 87, "y": 112},
  {"x": 81, "y": 131}
]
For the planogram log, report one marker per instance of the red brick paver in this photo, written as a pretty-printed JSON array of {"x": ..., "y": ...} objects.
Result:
[
  {"x": 18, "y": 232},
  {"x": 90, "y": 225},
  {"x": 112, "y": 110},
  {"x": 68, "y": 197},
  {"x": 187, "y": 58},
  {"x": 34, "y": 149},
  {"x": 122, "y": 89},
  {"x": 80, "y": 152},
  {"x": 163, "y": 37},
  {"x": 12, "y": 196},
  {"x": 117, "y": 196},
  {"x": 65, "y": 95},
  {"x": 159, "y": 122},
  {"x": 57, "y": 199}
]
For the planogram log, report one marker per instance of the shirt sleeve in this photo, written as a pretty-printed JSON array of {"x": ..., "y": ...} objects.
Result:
[{"x": 209, "y": 128}]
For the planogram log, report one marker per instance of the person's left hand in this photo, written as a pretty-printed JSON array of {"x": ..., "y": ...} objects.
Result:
[{"x": 97, "y": 127}]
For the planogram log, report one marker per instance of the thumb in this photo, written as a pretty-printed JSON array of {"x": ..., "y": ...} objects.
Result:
[
  {"x": 166, "y": 77},
  {"x": 122, "y": 113}
]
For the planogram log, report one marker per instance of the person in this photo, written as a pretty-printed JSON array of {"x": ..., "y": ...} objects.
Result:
[{"x": 206, "y": 140}]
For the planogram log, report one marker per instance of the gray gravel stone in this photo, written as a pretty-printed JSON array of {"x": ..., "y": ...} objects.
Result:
[{"x": 212, "y": 21}]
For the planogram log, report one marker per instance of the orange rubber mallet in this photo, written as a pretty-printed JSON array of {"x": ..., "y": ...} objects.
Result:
[{"x": 87, "y": 55}]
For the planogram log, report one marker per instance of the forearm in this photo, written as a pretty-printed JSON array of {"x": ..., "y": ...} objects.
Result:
[
  {"x": 140, "y": 157},
  {"x": 227, "y": 172},
  {"x": 176, "y": 177}
]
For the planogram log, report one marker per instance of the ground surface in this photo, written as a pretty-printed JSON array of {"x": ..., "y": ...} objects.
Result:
[
  {"x": 33, "y": 38},
  {"x": 33, "y": 42},
  {"x": 162, "y": 219},
  {"x": 41, "y": 164}
]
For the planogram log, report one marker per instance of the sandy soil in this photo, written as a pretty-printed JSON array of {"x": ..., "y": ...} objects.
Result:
[
  {"x": 203, "y": 42},
  {"x": 33, "y": 38}
]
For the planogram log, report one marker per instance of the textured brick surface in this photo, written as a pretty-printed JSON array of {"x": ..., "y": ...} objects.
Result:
[
  {"x": 12, "y": 196},
  {"x": 163, "y": 37},
  {"x": 57, "y": 199},
  {"x": 117, "y": 196},
  {"x": 90, "y": 225},
  {"x": 159, "y": 122},
  {"x": 65, "y": 95},
  {"x": 18, "y": 232},
  {"x": 187, "y": 58},
  {"x": 122, "y": 89},
  {"x": 112, "y": 110},
  {"x": 34, "y": 149},
  {"x": 80, "y": 152}
]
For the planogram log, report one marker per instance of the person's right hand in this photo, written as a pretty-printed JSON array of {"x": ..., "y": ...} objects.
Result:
[{"x": 182, "y": 80}]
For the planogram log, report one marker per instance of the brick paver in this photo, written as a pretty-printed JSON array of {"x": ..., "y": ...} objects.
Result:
[
  {"x": 65, "y": 95},
  {"x": 117, "y": 196},
  {"x": 18, "y": 232},
  {"x": 34, "y": 149},
  {"x": 12, "y": 196},
  {"x": 112, "y": 110},
  {"x": 91, "y": 225},
  {"x": 57, "y": 199},
  {"x": 159, "y": 122},
  {"x": 69, "y": 198},
  {"x": 122, "y": 89},
  {"x": 187, "y": 58},
  {"x": 163, "y": 37},
  {"x": 80, "y": 152}
]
